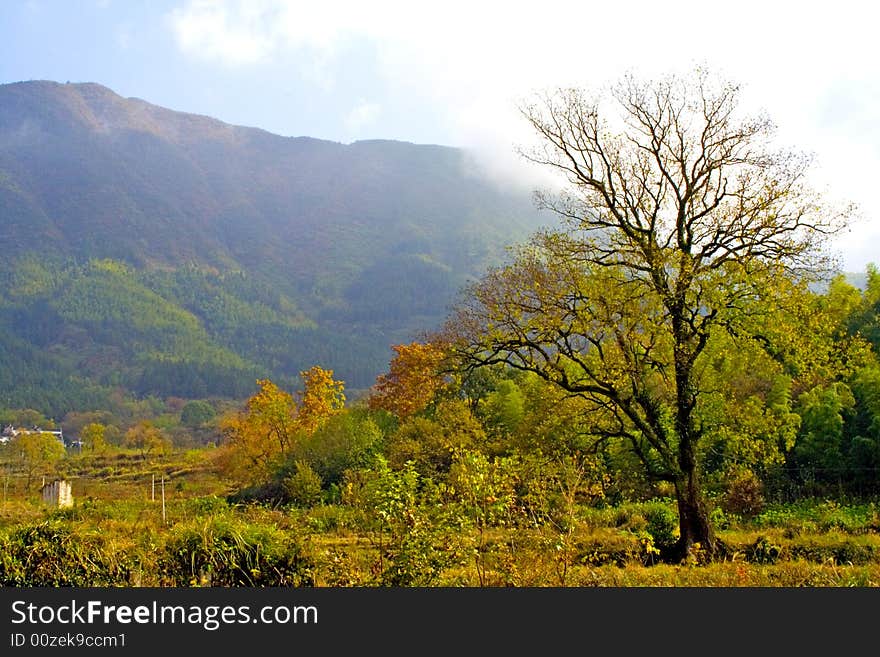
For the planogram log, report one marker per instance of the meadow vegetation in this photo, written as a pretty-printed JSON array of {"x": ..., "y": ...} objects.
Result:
[{"x": 467, "y": 511}]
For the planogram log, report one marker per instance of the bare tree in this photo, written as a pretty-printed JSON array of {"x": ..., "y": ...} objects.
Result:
[{"x": 682, "y": 224}]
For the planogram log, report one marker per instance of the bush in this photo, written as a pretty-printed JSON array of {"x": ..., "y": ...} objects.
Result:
[
  {"x": 209, "y": 505},
  {"x": 662, "y": 525},
  {"x": 51, "y": 554},
  {"x": 744, "y": 495},
  {"x": 330, "y": 518},
  {"x": 847, "y": 552},
  {"x": 197, "y": 413},
  {"x": 303, "y": 486},
  {"x": 347, "y": 440},
  {"x": 763, "y": 551},
  {"x": 221, "y": 552},
  {"x": 719, "y": 519},
  {"x": 601, "y": 548},
  {"x": 631, "y": 519}
]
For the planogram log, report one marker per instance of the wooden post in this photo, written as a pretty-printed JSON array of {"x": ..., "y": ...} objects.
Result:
[{"x": 163, "y": 499}]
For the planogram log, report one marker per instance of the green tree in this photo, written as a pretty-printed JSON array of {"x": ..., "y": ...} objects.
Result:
[
  {"x": 820, "y": 447},
  {"x": 866, "y": 388},
  {"x": 26, "y": 418},
  {"x": 196, "y": 413},
  {"x": 430, "y": 443},
  {"x": 346, "y": 440},
  {"x": 401, "y": 506},
  {"x": 37, "y": 452},
  {"x": 93, "y": 437},
  {"x": 746, "y": 407},
  {"x": 503, "y": 409},
  {"x": 865, "y": 318},
  {"x": 682, "y": 225}
]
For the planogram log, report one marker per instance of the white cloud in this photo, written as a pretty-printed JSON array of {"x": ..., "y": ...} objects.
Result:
[
  {"x": 242, "y": 32},
  {"x": 232, "y": 34},
  {"x": 476, "y": 59}
]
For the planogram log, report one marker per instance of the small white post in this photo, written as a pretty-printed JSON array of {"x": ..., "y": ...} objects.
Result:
[
  {"x": 153, "y": 489},
  {"x": 163, "y": 499}
]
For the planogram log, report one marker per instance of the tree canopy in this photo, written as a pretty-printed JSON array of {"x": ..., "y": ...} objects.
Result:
[
  {"x": 687, "y": 238},
  {"x": 274, "y": 422}
]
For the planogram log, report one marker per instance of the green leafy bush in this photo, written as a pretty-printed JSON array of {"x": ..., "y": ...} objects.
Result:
[
  {"x": 303, "y": 486},
  {"x": 209, "y": 505},
  {"x": 223, "y": 552},
  {"x": 662, "y": 524},
  {"x": 52, "y": 554}
]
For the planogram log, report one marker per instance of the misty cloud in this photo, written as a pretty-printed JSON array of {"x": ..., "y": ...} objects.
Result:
[{"x": 466, "y": 63}]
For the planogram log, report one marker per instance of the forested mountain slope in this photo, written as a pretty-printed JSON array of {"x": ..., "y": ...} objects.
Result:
[{"x": 158, "y": 252}]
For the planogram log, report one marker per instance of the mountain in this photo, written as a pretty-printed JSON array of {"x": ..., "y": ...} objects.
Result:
[{"x": 162, "y": 253}]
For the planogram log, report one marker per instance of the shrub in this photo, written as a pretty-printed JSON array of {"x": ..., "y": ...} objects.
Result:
[
  {"x": 51, "y": 554},
  {"x": 662, "y": 524},
  {"x": 197, "y": 413},
  {"x": 719, "y": 519},
  {"x": 347, "y": 440},
  {"x": 303, "y": 486},
  {"x": 630, "y": 519},
  {"x": 763, "y": 551},
  {"x": 412, "y": 546},
  {"x": 330, "y": 518},
  {"x": 847, "y": 552},
  {"x": 744, "y": 495},
  {"x": 209, "y": 505},
  {"x": 617, "y": 548},
  {"x": 221, "y": 552}
]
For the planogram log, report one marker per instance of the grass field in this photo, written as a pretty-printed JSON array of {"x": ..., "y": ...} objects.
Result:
[{"x": 119, "y": 533}]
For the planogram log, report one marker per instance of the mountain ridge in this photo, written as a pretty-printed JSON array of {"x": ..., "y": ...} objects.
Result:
[{"x": 322, "y": 248}]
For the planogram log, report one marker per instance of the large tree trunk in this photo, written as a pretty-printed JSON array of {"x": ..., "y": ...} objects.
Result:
[
  {"x": 695, "y": 528},
  {"x": 694, "y": 525},
  {"x": 693, "y": 520}
]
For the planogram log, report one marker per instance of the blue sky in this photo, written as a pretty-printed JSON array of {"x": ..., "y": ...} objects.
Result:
[{"x": 452, "y": 72}]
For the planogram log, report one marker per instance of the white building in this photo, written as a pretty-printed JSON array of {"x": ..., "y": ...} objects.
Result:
[{"x": 9, "y": 432}]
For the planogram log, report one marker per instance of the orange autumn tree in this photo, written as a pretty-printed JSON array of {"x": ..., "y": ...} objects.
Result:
[
  {"x": 413, "y": 379},
  {"x": 273, "y": 421}
]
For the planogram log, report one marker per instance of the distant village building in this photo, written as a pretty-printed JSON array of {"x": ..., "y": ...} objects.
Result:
[
  {"x": 57, "y": 493},
  {"x": 9, "y": 432}
]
